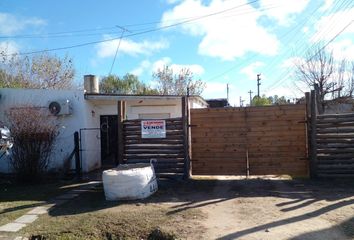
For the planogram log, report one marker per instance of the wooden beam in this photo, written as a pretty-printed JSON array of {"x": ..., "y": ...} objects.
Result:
[
  {"x": 313, "y": 146},
  {"x": 120, "y": 110},
  {"x": 185, "y": 121}
]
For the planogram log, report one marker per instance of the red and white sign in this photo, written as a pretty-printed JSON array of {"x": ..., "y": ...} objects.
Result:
[{"x": 153, "y": 129}]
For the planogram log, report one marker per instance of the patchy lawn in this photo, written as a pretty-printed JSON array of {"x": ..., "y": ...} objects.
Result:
[
  {"x": 210, "y": 209},
  {"x": 16, "y": 199},
  {"x": 90, "y": 216}
]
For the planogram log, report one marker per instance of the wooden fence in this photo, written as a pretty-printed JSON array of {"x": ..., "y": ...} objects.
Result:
[
  {"x": 252, "y": 140},
  {"x": 335, "y": 145},
  {"x": 169, "y": 152}
]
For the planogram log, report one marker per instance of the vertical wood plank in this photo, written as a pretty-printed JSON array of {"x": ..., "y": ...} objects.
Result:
[
  {"x": 308, "y": 123},
  {"x": 185, "y": 120},
  {"x": 120, "y": 111},
  {"x": 313, "y": 146}
]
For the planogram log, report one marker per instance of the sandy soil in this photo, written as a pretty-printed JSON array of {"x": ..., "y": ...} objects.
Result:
[{"x": 272, "y": 209}]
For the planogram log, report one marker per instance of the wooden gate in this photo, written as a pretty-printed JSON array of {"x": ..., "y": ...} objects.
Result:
[
  {"x": 335, "y": 145},
  {"x": 169, "y": 152},
  {"x": 252, "y": 140}
]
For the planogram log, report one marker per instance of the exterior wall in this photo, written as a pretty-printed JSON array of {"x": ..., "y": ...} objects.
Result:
[
  {"x": 196, "y": 103},
  {"x": 339, "y": 108},
  {"x": 171, "y": 106},
  {"x": 68, "y": 124},
  {"x": 85, "y": 118}
]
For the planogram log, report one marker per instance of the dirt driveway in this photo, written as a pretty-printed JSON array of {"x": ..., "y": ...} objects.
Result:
[
  {"x": 210, "y": 209},
  {"x": 269, "y": 209}
]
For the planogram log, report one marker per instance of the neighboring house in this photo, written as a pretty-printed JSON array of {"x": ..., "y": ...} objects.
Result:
[
  {"x": 91, "y": 114},
  {"x": 340, "y": 105},
  {"x": 218, "y": 102}
]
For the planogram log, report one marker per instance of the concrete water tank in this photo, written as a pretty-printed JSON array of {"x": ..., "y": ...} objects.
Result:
[{"x": 91, "y": 84}]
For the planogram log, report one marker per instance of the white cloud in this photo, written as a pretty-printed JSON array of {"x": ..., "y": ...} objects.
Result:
[
  {"x": 219, "y": 90},
  {"x": 250, "y": 70},
  {"x": 327, "y": 4},
  {"x": 288, "y": 90},
  {"x": 305, "y": 29},
  {"x": 343, "y": 49},
  {"x": 11, "y": 24},
  {"x": 224, "y": 36},
  {"x": 283, "y": 12},
  {"x": 194, "y": 68},
  {"x": 144, "y": 65},
  {"x": 129, "y": 47},
  {"x": 159, "y": 64},
  {"x": 9, "y": 48},
  {"x": 172, "y": 1},
  {"x": 292, "y": 62},
  {"x": 328, "y": 26},
  {"x": 150, "y": 67}
]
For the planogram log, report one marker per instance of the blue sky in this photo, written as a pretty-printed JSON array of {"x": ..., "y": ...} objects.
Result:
[{"x": 221, "y": 41}]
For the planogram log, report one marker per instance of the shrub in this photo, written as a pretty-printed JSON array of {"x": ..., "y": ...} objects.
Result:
[{"x": 34, "y": 132}]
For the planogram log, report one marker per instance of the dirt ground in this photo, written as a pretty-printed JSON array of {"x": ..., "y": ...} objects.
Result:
[
  {"x": 211, "y": 209},
  {"x": 271, "y": 209}
]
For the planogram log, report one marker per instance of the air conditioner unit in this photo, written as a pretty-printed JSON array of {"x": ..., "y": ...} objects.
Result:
[{"x": 60, "y": 107}]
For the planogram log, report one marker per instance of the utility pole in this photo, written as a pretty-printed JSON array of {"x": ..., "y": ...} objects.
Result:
[
  {"x": 250, "y": 92},
  {"x": 241, "y": 102},
  {"x": 258, "y": 83},
  {"x": 227, "y": 93}
]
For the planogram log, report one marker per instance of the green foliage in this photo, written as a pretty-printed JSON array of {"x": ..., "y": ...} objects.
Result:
[
  {"x": 170, "y": 83},
  {"x": 261, "y": 101},
  {"x": 39, "y": 71},
  {"x": 128, "y": 84},
  {"x": 276, "y": 100}
]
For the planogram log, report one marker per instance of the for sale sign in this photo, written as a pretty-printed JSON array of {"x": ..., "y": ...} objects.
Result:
[{"x": 153, "y": 129}]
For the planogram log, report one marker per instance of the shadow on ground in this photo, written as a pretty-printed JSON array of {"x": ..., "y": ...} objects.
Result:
[
  {"x": 196, "y": 193},
  {"x": 193, "y": 194}
]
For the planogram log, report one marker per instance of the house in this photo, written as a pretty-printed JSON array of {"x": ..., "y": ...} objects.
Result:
[
  {"x": 94, "y": 115},
  {"x": 218, "y": 102}
]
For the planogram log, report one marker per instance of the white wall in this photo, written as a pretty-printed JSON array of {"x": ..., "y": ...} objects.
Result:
[
  {"x": 68, "y": 124},
  {"x": 170, "y": 106},
  {"x": 86, "y": 116}
]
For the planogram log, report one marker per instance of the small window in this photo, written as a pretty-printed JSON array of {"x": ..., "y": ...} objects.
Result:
[{"x": 154, "y": 115}]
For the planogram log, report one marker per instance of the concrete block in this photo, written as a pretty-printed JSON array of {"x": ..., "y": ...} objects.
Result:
[
  {"x": 39, "y": 210},
  {"x": 26, "y": 219},
  {"x": 12, "y": 227}
]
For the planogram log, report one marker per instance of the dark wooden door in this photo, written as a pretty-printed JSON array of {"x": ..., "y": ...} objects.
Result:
[{"x": 109, "y": 136}]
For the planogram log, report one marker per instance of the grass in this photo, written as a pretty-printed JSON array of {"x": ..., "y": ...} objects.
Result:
[
  {"x": 91, "y": 217},
  {"x": 16, "y": 199}
]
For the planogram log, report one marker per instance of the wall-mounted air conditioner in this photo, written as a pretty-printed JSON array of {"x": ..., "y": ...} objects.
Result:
[{"x": 60, "y": 107}]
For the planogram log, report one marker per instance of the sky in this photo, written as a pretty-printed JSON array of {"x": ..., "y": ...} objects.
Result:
[{"x": 221, "y": 41}]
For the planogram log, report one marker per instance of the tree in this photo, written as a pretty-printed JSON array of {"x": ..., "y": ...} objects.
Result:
[
  {"x": 34, "y": 133},
  {"x": 330, "y": 75},
  {"x": 170, "y": 83},
  {"x": 261, "y": 101},
  {"x": 39, "y": 71},
  {"x": 276, "y": 100},
  {"x": 129, "y": 84}
]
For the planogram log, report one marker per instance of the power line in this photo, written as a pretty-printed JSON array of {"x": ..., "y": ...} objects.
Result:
[
  {"x": 345, "y": 5},
  {"x": 255, "y": 55},
  {"x": 134, "y": 34},
  {"x": 71, "y": 33},
  {"x": 58, "y": 34},
  {"x": 118, "y": 45}
]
